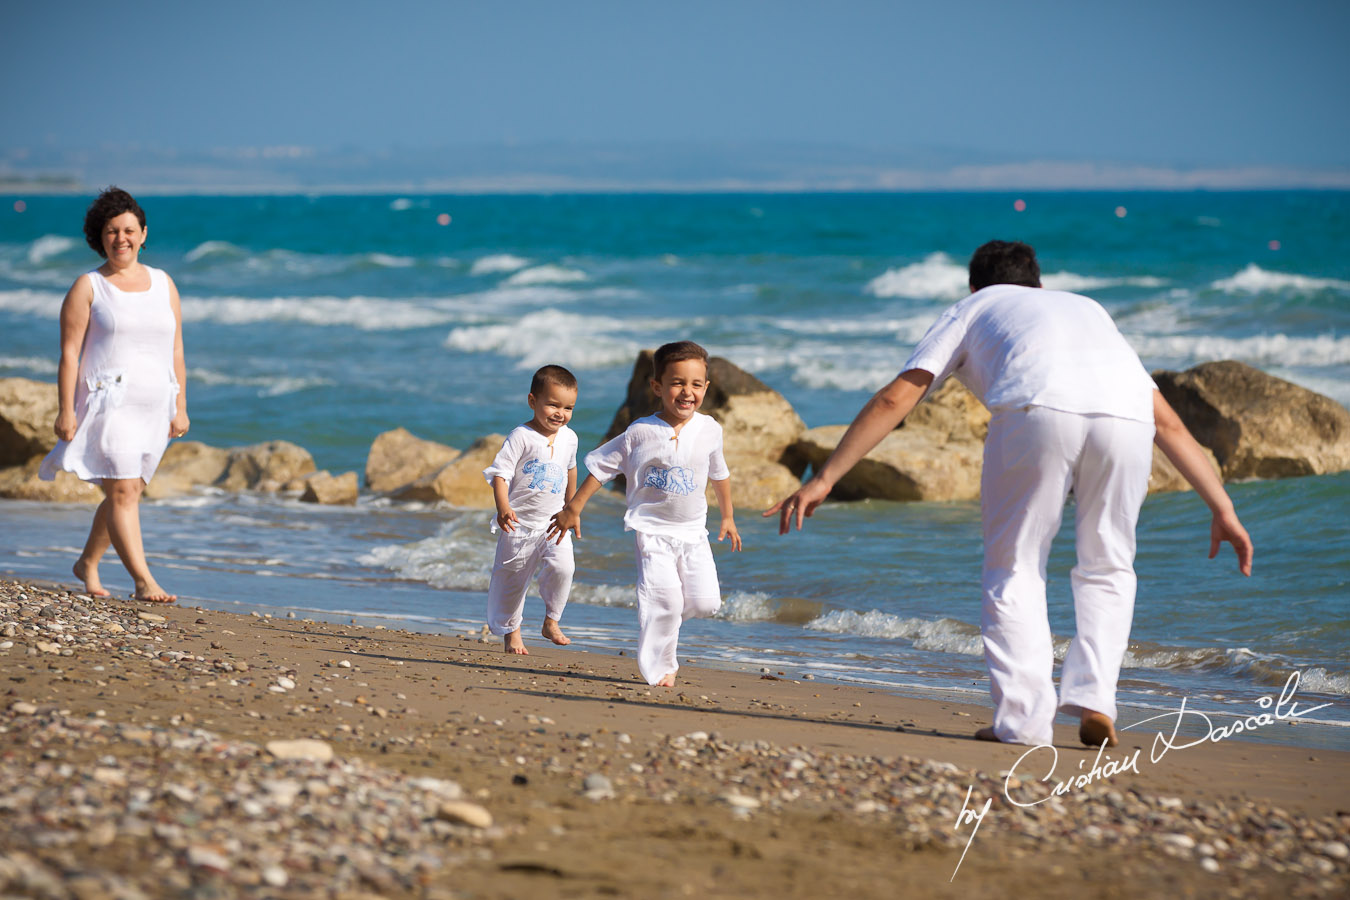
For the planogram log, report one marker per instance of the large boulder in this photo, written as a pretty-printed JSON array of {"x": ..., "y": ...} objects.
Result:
[
  {"x": 266, "y": 467},
  {"x": 459, "y": 482},
  {"x": 400, "y": 457},
  {"x": 1257, "y": 425},
  {"x": 22, "y": 483},
  {"x": 951, "y": 412},
  {"x": 908, "y": 464},
  {"x": 27, "y": 413},
  {"x": 185, "y": 465},
  {"x": 1164, "y": 476},
  {"x": 756, "y": 420},
  {"x": 756, "y": 483},
  {"x": 322, "y": 487}
]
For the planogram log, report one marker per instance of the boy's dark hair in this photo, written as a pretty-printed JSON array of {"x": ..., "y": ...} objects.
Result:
[
  {"x": 547, "y": 375},
  {"x": 1004, "y": 262},
  {"x": 677, "y": 351},
  {"x": 109, "y": 204}
]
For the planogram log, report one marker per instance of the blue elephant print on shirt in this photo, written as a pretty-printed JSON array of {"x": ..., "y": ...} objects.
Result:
[
  {"x": 545, "y": 476},
  {"x": 675, "y": 480}
]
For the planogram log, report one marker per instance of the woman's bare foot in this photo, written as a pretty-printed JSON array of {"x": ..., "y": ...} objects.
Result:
[
  {"x": 516, "y": 644},
  {"x": 987, "y": 734},
  {"x": 89, "y": 575},
  {"x": 1095, "y": 727},
  {"x": 554, "y": 633},
  {"x": 667, "y": 681},
  {"x": 151, "y": 592}
]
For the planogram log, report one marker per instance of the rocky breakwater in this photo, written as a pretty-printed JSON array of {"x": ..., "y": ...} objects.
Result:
[
  {"x": 406, "y": 467},
  {"x": 759, "y": 428},
  {"x": 28, "y": 409}
]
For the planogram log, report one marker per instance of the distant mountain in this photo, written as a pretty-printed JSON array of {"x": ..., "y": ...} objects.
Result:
[{"x": 593, "y": 167}]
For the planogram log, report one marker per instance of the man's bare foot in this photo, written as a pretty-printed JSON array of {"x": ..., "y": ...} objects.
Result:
[
  {"x": 1095, "y": 727},
  {"x": 554, "y": 633},
  {"x": 667, "y": 681},
  {"x": 987, "y": 734},
  {"x": 516, "y": 644},
  {"x": 151, "y": 592},
  {"x": 89, "y": 575}
]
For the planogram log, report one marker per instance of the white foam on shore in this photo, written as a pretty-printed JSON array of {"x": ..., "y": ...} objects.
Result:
[
  {"x": 1264, "y": 668},
  {"x": 497, "y": 263},
  {"x": 550, "y": 335},
  {"x": 47, "y": 246},
  {"x": 944, "y": 635},
  {"x": 1255, "y": 280},
  {"x": 747, "y": 606},
  {"x": 547, "y": 274},
  {"x": 458, "y": 557}
]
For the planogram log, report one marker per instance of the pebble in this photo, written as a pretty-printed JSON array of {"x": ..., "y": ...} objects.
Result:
[
  {"x": 597, "y": 787},
  {"x": 154, "y": 618},
  {"x": 302, "y": 748},
  {"x": 464, "y": 812},
  {"x": 1336, "y": 850},
  {"x": 23, "y": 708},
  {"x": 1210, "y": 864}
]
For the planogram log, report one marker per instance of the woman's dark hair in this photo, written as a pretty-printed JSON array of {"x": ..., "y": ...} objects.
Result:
[
  {"x": 110, "y": 204},
  {"x": 1004, "y": 262}
]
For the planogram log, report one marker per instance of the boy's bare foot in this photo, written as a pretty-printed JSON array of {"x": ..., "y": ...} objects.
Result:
[
  {"x": 667, "y": 681},
  {"x": 150, "y": 592},
  {"x": 89, "y": 575},
  {"x": 1096, "y": 727},
  {"x": 554, "y": 633},
  {"x": 987, "y": 734},
  {"x": 516, "y": 644}
]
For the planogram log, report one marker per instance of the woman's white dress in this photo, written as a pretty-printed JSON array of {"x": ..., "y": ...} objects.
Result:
[{"x": 125, "y": 396}]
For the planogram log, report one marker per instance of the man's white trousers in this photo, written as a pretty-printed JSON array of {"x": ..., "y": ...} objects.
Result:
[
  {"x": 520, "y": 554},
  {"x": 1033, "y": 457}
]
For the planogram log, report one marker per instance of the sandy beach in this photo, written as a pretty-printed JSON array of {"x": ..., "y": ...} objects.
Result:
[{"x": 140, "y": 759}]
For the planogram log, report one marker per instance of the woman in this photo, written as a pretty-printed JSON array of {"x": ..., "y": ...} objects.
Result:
[{"x": 120, "y": 386}]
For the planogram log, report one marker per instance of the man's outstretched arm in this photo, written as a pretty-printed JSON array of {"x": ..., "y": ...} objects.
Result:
[
  {"x": 1173, "y": 438},
  {"x": 882, "y": 414}
]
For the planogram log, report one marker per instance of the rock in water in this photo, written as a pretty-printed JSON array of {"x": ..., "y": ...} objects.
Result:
[
  {"x": 267, "y": 466},
  {"x": 27, "y": 412},
  {"x": 186, "y": 464},
  {"x": 399, "y": 458},
  {"x": 322, "y": 487},
  {"x": 1259, "y": 426},
  {"x": 460, "y": 482}
]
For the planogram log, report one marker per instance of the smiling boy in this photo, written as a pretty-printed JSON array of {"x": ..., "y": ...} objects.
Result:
[
  {"x": 532, "y": 476},
  {"x": 667, "y": 460}
]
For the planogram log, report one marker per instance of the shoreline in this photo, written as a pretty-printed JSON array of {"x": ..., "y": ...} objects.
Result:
[{"x": 729, "y": 784}]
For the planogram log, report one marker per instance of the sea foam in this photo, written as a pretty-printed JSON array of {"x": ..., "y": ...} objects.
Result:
[
  {"x": 552, "y": 336},
  {"x": 547, "y": 274},
  {"x": 48, "y": 246},
  {"x": 458, "y": 557},
  {"x": 1255, "y": 280},
  {"x": 496, "y": 263},
  {"x": 937, "y": 276}
]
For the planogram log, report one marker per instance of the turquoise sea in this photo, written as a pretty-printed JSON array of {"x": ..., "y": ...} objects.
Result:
[{"x": 326, "y": 320}]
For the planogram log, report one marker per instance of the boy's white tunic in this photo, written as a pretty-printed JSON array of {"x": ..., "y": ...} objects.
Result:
[
  {"x": 1072, "y": 409},
  {"x": 666, "y": 479},
  {"x": 535, "y": 471}
]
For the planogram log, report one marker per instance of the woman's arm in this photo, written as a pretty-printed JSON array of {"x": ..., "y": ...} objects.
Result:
[
  {"x": 179, "y": 426},
  {"x": 74, "y": 326}
]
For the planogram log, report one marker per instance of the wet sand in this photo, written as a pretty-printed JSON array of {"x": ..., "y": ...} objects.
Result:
[{"x": 135, "y": 763}]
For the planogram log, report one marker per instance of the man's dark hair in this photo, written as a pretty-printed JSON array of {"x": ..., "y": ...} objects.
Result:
[
  {"x": 1004, "y": 262},
  {"x": 678, "y": 351},
  {"x": 547, "y": 375},
  {"x": 109, "y": 205}
]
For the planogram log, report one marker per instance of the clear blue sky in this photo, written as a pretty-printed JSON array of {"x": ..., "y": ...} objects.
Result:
[{"x": 1184, "y": 82}]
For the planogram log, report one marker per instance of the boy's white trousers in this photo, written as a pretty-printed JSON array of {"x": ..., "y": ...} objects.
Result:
[
  {"x": 676, "y": 581},
  {"x": 1032, "y": 458},
  {"x": 519, "y": 555}
]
